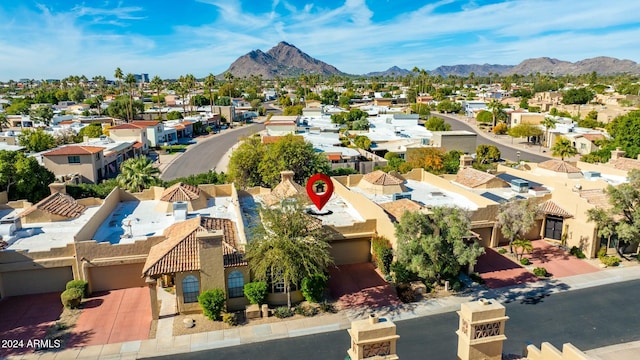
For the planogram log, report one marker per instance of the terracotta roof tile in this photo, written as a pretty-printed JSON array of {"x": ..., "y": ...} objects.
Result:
[
  {"x": 596, "y": 197},
  {"x": 397, "y": 208},
  {"x": 559, "y": 166},
  {"x": 334, "y": 157},
  {"x": 380, "y": 177},
  {"x": 287, "y": 188},
  {"x": 128, "y": 126},
  {"x": 74, "y": 150},
  {"x": 593, "y": 137},
  {"x": 625, "y": 164},
  {"x": 180, "y": 192},
  {"x": 145, "y": 124},
  {"x": 181, "y": 250},
  {"x": 472, "y": 178},
  {"x": 57, "y": 204},
  {"x": 552, "y": 208},
  {"x": 137, "y": 145}
]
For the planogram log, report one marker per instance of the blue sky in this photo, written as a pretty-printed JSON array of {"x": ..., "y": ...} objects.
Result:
[{"x": 56, "y": 38}]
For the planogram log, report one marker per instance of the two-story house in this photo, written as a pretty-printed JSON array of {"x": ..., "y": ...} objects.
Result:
[{"x": 85, "y": 161}]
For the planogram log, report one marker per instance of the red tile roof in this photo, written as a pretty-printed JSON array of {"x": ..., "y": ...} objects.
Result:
[
  {"x": 593, "y": 137},
  {"x": 146, "y": 123},
  {"x": 472, "y": 178},
  {"x": 380, "y": 177},
  {"x": 559, "y": 166},
  {"x": 334, "y": 157},
  {"x": 137, "y": 145},
  {"x": 397, "y": 208},
  {"x": 57, "y": 204},
  {"x": 128, "y": 126},
  {"x": 180, "y": 192},
  {"x": 550, "y": 207},
  {"x": 74, "y": 150}
]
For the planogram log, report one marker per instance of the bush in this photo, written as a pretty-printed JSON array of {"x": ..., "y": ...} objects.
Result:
[
  {"x": 500, "y": 129},
  {"x": 540, "y": 272},
  {"x": 577, "y": 252},
  {"x": 212, "y": 303},
  {"x": 382, "y": 254},
  {"x": 79, "y": 284},
  {"x": 610, "y": 260},
  {"x": 313, "y": 286},
  {"x": 255, "y": 292},
  {"x": 525, "y": 261},
  {"x": 230, "y": 319},
  {"x": 502, "y": 251},
  {"x": 305, "y": 310},
  {"x": 476, "y": 278},
  {"x": 327, "y": 307},
  {"x": 456, "y": 285},
  {"x": 71, "y": 298},
  {"x": 405, "y": 293},
  {"x": 602, "y": 252},
  {"x": 400, "y": 273},
  {"x": 282, "y": 312}
]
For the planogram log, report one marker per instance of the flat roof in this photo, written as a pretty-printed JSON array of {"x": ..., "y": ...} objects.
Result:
[{"x": 47, "y": 235}]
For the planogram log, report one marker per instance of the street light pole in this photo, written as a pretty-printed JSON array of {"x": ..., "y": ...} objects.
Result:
[{"x": 518, "y": 155}]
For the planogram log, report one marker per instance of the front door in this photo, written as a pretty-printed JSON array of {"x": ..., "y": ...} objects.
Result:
[{"x": 553, "y": 228}]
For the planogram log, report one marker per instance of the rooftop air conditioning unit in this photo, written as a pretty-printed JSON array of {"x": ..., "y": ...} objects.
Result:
[
  {"x": 402, "y": 195},
  {"x": 591, "y": 174},
  {"x": 519, "y": 185},
  {"x": 180, "y": 210},
  {"x": 9, "y": 226}
]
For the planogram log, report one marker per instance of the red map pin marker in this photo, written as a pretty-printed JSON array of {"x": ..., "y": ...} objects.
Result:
[{"x": 324, "y": 193}]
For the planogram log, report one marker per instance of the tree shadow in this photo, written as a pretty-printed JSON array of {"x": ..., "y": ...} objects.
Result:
[{"x": 526, "y": 294}]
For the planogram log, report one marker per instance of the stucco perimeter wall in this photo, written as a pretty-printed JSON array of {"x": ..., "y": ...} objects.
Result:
[
  {"x": 549, "y": 352},
  {"x": 218, "y": 190},
  {"x": 25, "y": 260},
  {"x": 584, "y": 166},
  {"x": 4, "y": 198},
  {"x": 240, "y": 225},
  {"x": 105, "y": 253},
  {"x": 368, "y": 210},
  {"x": 580, "y": 231},
  {"x": 108, "y": 205}
]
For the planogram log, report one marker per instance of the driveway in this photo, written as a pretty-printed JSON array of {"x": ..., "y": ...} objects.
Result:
[
  {"x": 27, "y": 318},
  {"x": 499, "y": 271},
  {"x": 557, "y": 261},
  {"x": 114, "y": 316},
  {"x": 359, "y": 285}
]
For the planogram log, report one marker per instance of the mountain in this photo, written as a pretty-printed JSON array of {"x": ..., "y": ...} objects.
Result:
[
  {"x": 284, "y": 60},
  {"x": 465, "y": 70},
  {"x": 392, "y": 71}
]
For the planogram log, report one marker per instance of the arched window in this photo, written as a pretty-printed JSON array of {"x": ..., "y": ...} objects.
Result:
[
  {"x": 235, "y": 283},
  {"x": 190, "y": 289}
]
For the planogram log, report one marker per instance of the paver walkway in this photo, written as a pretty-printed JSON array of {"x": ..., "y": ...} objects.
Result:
[
  {"x": 115, "y": 316},
  {"x": 558, "y": 262},
  {"x": 359, "y": 285},
  {"x": 499, "y": 271}
]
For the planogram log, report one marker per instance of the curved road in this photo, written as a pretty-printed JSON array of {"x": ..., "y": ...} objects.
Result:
[
  {"x": 507, "y": 151},
  {"x": 205, "y": 155}
]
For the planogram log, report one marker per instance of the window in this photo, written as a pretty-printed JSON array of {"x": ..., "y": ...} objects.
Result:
[
  {"x": 583, "y": 146},
  {"x": 235, "y": 284},
  {"x": 190, "y": 289},
  {"x": 75, "y": 159}
]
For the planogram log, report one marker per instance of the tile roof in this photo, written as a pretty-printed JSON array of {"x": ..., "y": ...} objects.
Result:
[
  {"x": 559, "y": 166},
  {"x": 181, "y": 250},
  {"x": 287, "y": 188},
  {"x": 380, "y": 177},
  {"x": 137, "y": 145},
  {"x": 552, "y": 208},
  {"x": 146, "y": 123},
  {"x": 57, "y": 204},
  {"x": 625, "y": 164},
  {"x": 472, "y": 178},
  {"x": 397, "y": 208},
  {"x": 74, "y": 150},
  {"x": 128, "y": 126},
  {"x": 596, "y": 197},
  {"x": 593, "y": 137},
  {"x": 180, "y": 192},
  {"x": 334, "y": 157}
]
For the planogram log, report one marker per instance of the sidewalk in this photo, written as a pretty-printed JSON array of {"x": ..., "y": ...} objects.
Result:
[{"x": 165, "y": 344}]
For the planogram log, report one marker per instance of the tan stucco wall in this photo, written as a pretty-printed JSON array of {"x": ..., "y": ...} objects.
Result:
[
  {"x": 106, "y": 208},
  {"x": 189, "y": 307},
  {"x": 281, "y": 298},
  {"x": 116, "y": 276},
  {"x": 87, "y": 168},
  {"x": 34, "y": 281},
  {"x": 239, "y": 303},
  {"x": 550, "y": 352},
  {"x": 39, "y": 216}
]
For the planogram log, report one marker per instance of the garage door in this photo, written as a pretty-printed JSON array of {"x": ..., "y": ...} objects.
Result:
[
  {"x": 351, "y": 251},
  {"x": 116, "y": 277},
  {"x": 36, "y": 281}
]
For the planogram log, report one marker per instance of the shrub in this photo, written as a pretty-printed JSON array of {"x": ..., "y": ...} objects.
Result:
[
  {"x": 500, "y": 129},
  {"x": 255, "y": 292},
  {"x": 282, "y": 312},
  {"x": 327, "y": 307},
  {"x": 305, "y": 310},
  {"x": 405, "y": 293},
  {"x": 610, "y": 260},
  {"x": 502, "y": 251},
  {"x": 212, "y": 303},
  {"x": 577, "y": 252},
  {"x": 382, "y": 254},
  {"x": 78, "y": 284},
  {"x": 313, "y": 287},
  {"x": 540, "y": 272},
  {"x": 401, "y": 273},
  {"x": 476, "y": 278},
  {"x": 71, "y": 298},
  {"x": 602, "y": 252},
  {"x": 230, "y": 319},
  {"x": 525, "y": 261},
  {"x": 457, "y": 285}
]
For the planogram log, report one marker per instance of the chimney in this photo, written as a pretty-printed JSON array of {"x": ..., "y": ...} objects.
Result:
[
  {"x": 85, "y": 139},
  {"x": 466, "y": 160},
  {"x": 617, "y": 154},
  {"x": 57, "y": 187},
  {"x": 286, "y": 175}
]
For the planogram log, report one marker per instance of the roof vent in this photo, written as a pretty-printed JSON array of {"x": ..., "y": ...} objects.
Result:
[
  {"x": 180, "y": 210},
  {"x": 591, "y": 174},
  {"x": 519, "y": 185},
  {"x": 402, "y": 195}
]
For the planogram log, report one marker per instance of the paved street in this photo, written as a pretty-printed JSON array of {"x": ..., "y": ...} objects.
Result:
[
  {"x": 588, "y": 318},
  {"x": 204, "y": 155}
]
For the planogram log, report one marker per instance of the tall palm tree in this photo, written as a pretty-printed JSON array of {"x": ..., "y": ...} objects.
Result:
[
  {"x": 189, "y": 85},
  {"x": 288, "y": 245},
  {"x": 228, "y": 76},
  {"x": 119, "y": 75},
  {"x": 548, "y": 124},
  {"x": 130, "y": 80},
  {"x": 563, "y": 148},
  {"x": 137, "y": 174},
  {"x": 495, "y": 107},
  {"x": 100, "y": 82},
  {"x": 209, "y": 83},
  {"x": 157, "y": 84}
]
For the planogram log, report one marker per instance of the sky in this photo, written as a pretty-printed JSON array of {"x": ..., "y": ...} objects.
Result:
[{"x": 52, "y": 39}]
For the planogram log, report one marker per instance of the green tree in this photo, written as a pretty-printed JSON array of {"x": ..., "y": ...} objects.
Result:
[
  {"x": 524, "y": 103},
  {"x": 525, "y": 130},
  {"x": 435, "y": 246},
  {"x": 624, "y": 130},
  {"x": 496, "y": 108},
  {"x": 3, "y": 120},
  {"x": 563, "y": 148},
  {"x": 605, "y": 222},
  {"x": 137, "y": 174},
  {"x": 22, "y": 177},
  {"x": 76, "y": 94},
  {"x": 119, "y": 108},
  {"x": 329, "y": 97},
  {"x": 362, "y": 142},
  {"x": 43, "y": 114},
  {"x": 36, "y": 140},
  {"x": 174, "y": 115},
  {"x": 437, "y": 124},
  {"x": 212, "y": 303},
  {"x": 293, "y": 110},
  {"x": 287, "y": 245},
  {"x": 93, "y": 130},
  {"x": 548, "y": 124},
  {"x": 516, "y": 218},
  {"x": 487, "y": 154},
  {"x": 245, "y": 161},
  {"x": 484, "y": 116},
  {"x": 522, "y": 245},
  {"x": 448, "y": 106},
  {"x": 577, "y": 96},
  {"x": 157, "y": 84}
]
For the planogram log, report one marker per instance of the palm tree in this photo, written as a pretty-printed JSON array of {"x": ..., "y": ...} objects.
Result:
[
  {"x": 209, "y": 83},
  {"x": 119, "y": 75},
  {"x": 157, "y": 84},
  {"x": 130, "y": 80},
  {"x": 189, "y": 85},
  {"x": 548, "y": 124},
  {"x": 228, "y": 76},
  {"x": 137, "y": 174},
  {"x": 563, "y": 148},
  {"x": 100, "y": 81},
  {"x": 524, "y": 245},
  {"x": 288, "y": 245},
  {"x": 496, "y": 108}
]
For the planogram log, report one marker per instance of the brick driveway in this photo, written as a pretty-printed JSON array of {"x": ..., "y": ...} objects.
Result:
[
  {"x": 499, "y": 271},
  {"x": 359, "y": 285},
  {"x": 557, "y": 261},
  {"x": 114, "y": 316}
]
